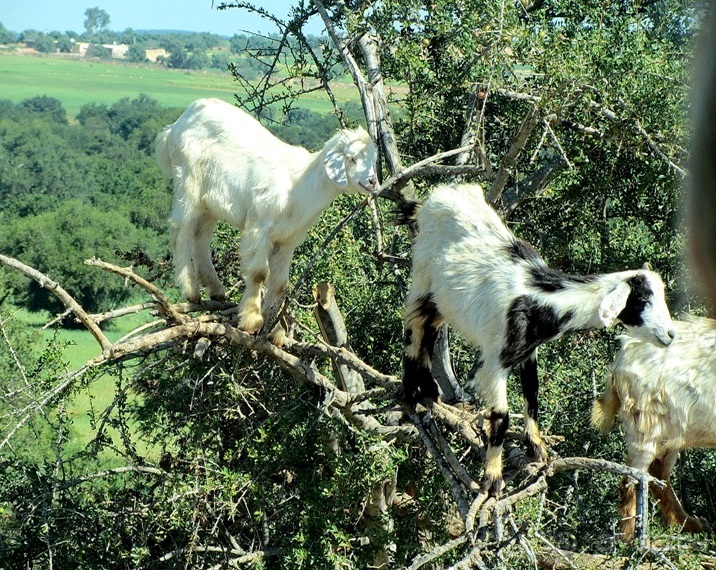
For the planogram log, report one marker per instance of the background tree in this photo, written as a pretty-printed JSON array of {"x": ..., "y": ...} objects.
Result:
[
  {"x": 60, "y": 183},
  {"x": 45, "y": 44},
  {"x": 64, "y": 44},
  {"x": 137, "y": 53},
  {"x": 96, "y": 20},
  {"x": 6, "y": 36}
]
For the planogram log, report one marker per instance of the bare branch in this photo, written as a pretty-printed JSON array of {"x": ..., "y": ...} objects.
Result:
[
  {"x": 529, "y": 187},
  {"x": 132, "y": 310},
  {"x": 114, "y": 471},
  {"x": 439, "y": 458},
  {"x": 164, "y": 306},
  {"x": 437, "y": 552},
  {"x": 519, "y": 140},
  {"x": 50, "y": 396},
  {"x": 69, "y": 302},
  {"x": 654, "y": 147}
]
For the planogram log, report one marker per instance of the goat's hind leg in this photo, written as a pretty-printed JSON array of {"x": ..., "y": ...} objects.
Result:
[
  {"x": 185, "y": 257},
  {"x": 204, "y": 266},
  {"x": 671, "y": 508},
  {"x": 535, "y": 446},
  {"x": 422, "y": 320}
]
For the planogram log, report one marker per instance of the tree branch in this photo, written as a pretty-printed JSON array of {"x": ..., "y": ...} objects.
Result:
[
  {"x": 69, "y": 302},
  {"x": 519, "y": 140}
]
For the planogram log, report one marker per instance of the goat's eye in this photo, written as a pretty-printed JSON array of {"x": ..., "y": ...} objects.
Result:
[{"x": 352, "y": 159}]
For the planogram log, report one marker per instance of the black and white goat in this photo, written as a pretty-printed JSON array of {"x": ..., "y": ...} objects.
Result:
[
  {"x": 666, "y": 401},
  {"x": 227, "y": 166},
  {"x": 470, "y": 271}
]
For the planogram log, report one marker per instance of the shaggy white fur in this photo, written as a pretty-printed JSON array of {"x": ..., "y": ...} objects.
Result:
[{"x": 227, "y": 166}]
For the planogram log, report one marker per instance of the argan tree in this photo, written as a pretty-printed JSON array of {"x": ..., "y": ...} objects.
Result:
[{"x": 222, "y": 450}]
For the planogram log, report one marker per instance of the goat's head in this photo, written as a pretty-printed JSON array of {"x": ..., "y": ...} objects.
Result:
[
  {"x": 638, "y": 302},
  {"x": 350, "y": 159}
]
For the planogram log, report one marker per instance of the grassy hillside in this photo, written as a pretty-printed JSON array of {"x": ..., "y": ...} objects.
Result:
[{"x": 78, "y": 82}]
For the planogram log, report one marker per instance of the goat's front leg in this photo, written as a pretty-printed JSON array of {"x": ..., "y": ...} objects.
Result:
[
  {"x": 535, "y": 446},
  {"x": 254, "y": 259},
  {"x": 279, "y": 271},
  {"x": 671, "y": 508}
]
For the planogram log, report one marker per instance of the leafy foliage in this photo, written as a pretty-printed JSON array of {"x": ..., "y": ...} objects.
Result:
[
  {"x": 69, "y": 192},
  {"x": 217, "y": 456}
]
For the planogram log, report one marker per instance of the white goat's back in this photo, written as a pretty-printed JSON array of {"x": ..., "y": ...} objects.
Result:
[
  {"x": 455, "y": 212},
  {"x": 225, "y": 160},
  {"x": 214, "y": 122}
]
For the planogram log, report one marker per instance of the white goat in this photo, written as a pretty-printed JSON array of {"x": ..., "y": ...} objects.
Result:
[
  {"x": 470, "y": 271},
  {"x": 227, "y": 166},
  {"x": 666, "y": 400}
]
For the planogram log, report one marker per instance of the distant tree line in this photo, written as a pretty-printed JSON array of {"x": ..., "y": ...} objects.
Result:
[{"x": 187, "y": 50}]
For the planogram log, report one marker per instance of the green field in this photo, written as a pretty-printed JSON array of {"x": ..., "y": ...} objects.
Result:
[{"x": 76, "y": 82}]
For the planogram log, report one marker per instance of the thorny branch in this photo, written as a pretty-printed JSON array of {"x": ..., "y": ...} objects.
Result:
[{"x": 179, "y": 329}]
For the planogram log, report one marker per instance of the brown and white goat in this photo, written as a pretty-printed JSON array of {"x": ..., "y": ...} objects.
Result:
[{"x": 665, "y": 398}]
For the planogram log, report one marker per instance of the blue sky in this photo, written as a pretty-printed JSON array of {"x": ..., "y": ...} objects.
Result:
[{"x": 190, "y": 15}]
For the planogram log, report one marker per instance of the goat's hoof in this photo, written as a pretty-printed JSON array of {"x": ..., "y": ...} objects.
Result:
[
  {"x": 425, "y": 393},
  {"x": 193, "y": 298},
  {"x": 277, "y": 336},
  {"x": 692, "y": 524},
  {"x": 411, "y": 400},
  {"x": 251, "y": 322},
  {"x": 536, "y": 453},
  {"x": 492, "y": 485}
]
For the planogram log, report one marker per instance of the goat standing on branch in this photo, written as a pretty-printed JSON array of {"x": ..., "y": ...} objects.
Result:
[
  {"x": 666, "y": 401},
  {"x": 227, "y": 166},
  {"x": 470, "y": 271}
]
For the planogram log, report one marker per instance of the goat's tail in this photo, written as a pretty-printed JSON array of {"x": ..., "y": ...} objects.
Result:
[
  {"x": 605, "y": 408},
  {"x": 406, "y": 214},
  {"x": 161, "y": 149}
]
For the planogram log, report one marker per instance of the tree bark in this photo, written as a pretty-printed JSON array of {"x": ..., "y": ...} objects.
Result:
[{"x": 333, "y": 330}]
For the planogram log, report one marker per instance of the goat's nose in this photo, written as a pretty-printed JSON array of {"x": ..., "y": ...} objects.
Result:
[{"x": 672, "y": 334}]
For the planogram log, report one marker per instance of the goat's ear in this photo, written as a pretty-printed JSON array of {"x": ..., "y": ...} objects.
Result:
[
  {"x": 647, "y": 266},
  {"x": 335, "y": 163},
  {"x": 613, "y": 304}
]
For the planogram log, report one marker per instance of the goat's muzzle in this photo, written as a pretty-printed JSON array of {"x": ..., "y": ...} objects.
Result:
[
  {"x": 669, "y": 338},
  {"x": 373, "y": 187}
]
